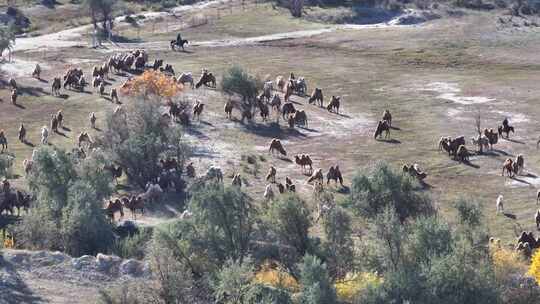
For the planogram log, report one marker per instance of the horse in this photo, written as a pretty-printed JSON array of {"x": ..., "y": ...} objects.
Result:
[
  {"x": 334, "y": 104},
  {"x": 178, "y": 44}
]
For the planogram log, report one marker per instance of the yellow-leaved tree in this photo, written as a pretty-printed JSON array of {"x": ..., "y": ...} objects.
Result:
[
  {"x": 152, "y": 83},
  {"x": 534, "y": 269}
]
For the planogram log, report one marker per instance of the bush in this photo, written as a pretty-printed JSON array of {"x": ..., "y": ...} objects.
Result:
[
  {"x": 137, "y": 145},
  {"x": 6, "y": 163},
  {"x": 133, "y": 247},
  {"x": 339, "y": 250},
  {"x": 354, "y": 285},
  {"x": 237, "y": 81},
  {"x": 68, "y": 211},
  {"x": 315, "y": 284},
  {"x": 382, "y": 187}
]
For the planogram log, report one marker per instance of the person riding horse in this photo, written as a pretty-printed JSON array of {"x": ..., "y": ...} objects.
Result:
[{"x": 505, "y": 123}]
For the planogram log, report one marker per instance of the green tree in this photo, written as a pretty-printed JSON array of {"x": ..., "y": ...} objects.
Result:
[
  {"x": 101, "y": 11},
  {"x": 7, "y": 39},
  {"x": 223, "y": 218},
  {"x": 238, "y": 81},
  {"x": 382, "y": 187},
  {"x": 315, "y": 284},
  {"x": 68, "y": 212},
  {"x": 138, "y": 143},
  {"x": 339, "y": 244},
  {"x": 234, "y": 283}
]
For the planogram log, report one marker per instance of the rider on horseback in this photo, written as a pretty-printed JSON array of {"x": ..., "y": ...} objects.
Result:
[
  {"x": 505, "y": 123},
  {"x": 178, "y": 39}
]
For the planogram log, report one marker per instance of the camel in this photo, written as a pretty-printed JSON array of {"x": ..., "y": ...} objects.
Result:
[
  {"x": 116, "y": 172},
  {"x": 54, "y": 123},
  {"x": 480, "y": 141},
  {"x": 190, "y": 170},
  {"x": 27, "y": 165},
  {"x": 334, "y": 104},
  {"x": 37, "y": 71},
  {"x": 275, "y": 102},
  {"x": 451, "y": 145},
  {"x": 207, "y": 79},
  {"x": 317, "y": 96},
  {"x": 22, "y": 201},
  {"x": 84, "y": 137},
  {"x": 140, "y": 63},
  {"x": 388, "y": 117},
  {"x": 537, "y": 219},
  {"x": 268, "y": 87},
  {"x": 290, "y": 122},
  {"x": 519, "y": 163},
  {"x": 44, "y": 135},
  {"x": 214, "y": 173},
  {"x": 508, "y": 166},
  {"x": 300, "y": 118},
  {"x": 12, "y": 83},
  {"x": 281, "y": 188},
  {"x": 537, "y": 197},
  {"x": 268, "y": 192},
  {"x": 186, "y": 78},
  {"x": 134, "y": 204},
  {"x": 334, "y": 174},
  {"x": 3, "y": 141},
  {"x": 237, "y": 180},
  {"x": 101, "y": 89},
  {"x": 228, "y": 109},
  {"x": 55, "y": 86},
  {"x": 462, "y": 153},
  {"x": 14, "y": 96},
  {"x": 276, "y": 145},
  {"x": 93, "y": 119},
  {"x": 113, "y": 207},
  {"x": 168, "y": 69},
  {"x": 264, "y": 110},
  {"x": 197, "y": 110},
  {"x": 271, "y": 176},
  {"x": 114, "y": 95},
  {"x": 22, "y": 133},
  {"x": 289, "y": 88},
  {"x": 169, "y": 164},
  {"x": 280, "y": 83},
  {"x": 300, "y": 86},
  {"x": 499, "y": 204},
  {"x": 382, "y": 126},
  {"x": 6, "y": 186},
  {"x": 304, "y": 161},
  {"x": 157, "y": 64},
  {"x": 317, "y": 176},
  {"x": 414, "y": 171},
  {"x": 287, "y": 109},
  {"x": 60, "y": 118}
]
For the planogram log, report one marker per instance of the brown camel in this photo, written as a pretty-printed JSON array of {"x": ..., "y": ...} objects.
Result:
[
  {"x": 334, "y": 104},
  {"x": 275, "y": 145},
  {"x": 229, "y": 108},
  {"x": 305, "y": 162},
  {"x": 317, "y": 96},
  {"x": 113, "y": 207},
  {"x": 317, "y": 176},
  {"x": 508, "y": 166},
  {"x": 197, "y": 110},
  {"x": 14, "y": 96},
  {"x": 334, "y": 174},
  {"x": 271, "y": 176}
]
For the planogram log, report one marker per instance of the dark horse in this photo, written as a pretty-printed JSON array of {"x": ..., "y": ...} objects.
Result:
[
  {"x": 505, "y": 129},
  {"x": 178, "y": 44}
]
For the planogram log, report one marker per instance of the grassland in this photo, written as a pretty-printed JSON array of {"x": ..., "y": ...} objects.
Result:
[{"x": 409, "y": 70}]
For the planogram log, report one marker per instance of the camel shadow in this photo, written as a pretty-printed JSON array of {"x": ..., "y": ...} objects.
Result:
[
  {"x": 63, "y": 96},
  {"x": 98, "y": 129},
  {"x": 61, "y": 134},
  {"x": 285, "y": 159},
  {"x": 521, "y": 180},
  {"x": 390, "y": 141},
  {"x": 194, "y": 132},
  {"x": 396, "y": 128},
  {"x": 33, "y": 91},
  {"x": 66, "y": 129},
  {"x": 20, "y": 106},
  {"x": 344, "y": 190},
  {"x": 309, "y": 129},
  {"x": 343, "y": 115},
  {"x": 531, "y": 175},
  {"x": 206, "y": 123},
  {"x": 515, "y": 141},
  {"x": 469, "y": 164},
  {"x": 43, "y": 80},
  {"x": 29, "y": 144},
  {"x": 510, "y": 215}
]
